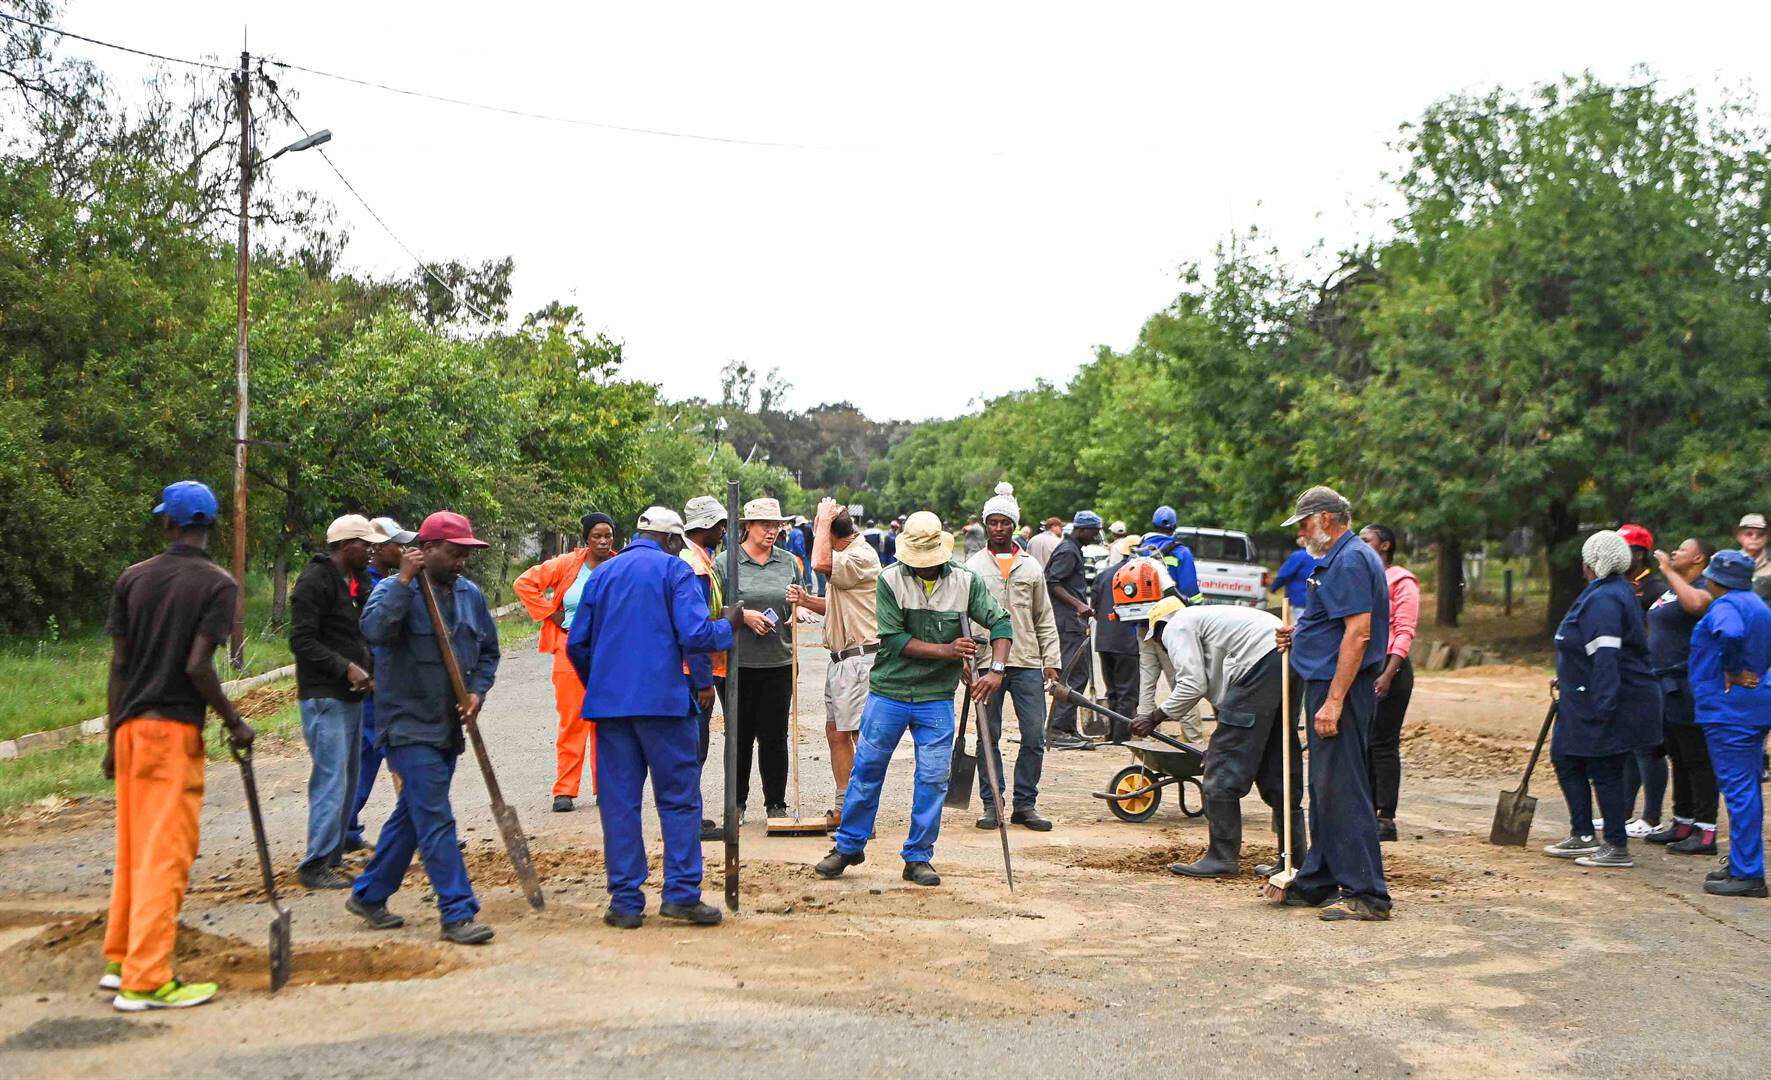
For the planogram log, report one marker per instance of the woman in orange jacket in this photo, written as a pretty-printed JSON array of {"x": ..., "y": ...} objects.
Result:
[{"x": 550, "y": 592}]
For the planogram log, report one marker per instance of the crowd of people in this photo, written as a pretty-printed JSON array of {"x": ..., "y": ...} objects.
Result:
[{"x": 1658, "y": 660}]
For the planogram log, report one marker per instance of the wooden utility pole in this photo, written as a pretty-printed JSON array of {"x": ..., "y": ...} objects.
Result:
[{"x": 243, "y": 100}]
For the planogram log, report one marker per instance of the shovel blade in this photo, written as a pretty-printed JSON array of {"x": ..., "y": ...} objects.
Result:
[
  {"x": 516, "y": 845},
  {"x": 281, "y": 947},
  {"x": 961, "y": 780},
  {"x": 1512, "y": 819}
]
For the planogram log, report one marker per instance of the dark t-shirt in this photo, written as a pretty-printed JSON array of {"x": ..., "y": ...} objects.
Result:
[
  {"x": 1669, "y": 632},
  {"x": 158, "y": 608},
  {"x": 1065, "y": 568}
]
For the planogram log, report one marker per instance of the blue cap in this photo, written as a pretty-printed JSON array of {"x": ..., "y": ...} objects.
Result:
[
  {"x": 1731, "y": 569},
  {"x": 187, "y": 502},
  {"x": 1086, "y": 519},
  {"x": 1164, "y": 517}
]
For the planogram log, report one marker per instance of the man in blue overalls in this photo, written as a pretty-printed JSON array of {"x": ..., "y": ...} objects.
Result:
[
  {"x": 1337, "y": 650},
  {"x": 641, "y": 613}
]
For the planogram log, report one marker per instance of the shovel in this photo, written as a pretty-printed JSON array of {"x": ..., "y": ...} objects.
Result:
[
  {"x": 965, "y": 766},
  {"x": 280, "y": 938},
  {"x": 1512, "y": 817}
]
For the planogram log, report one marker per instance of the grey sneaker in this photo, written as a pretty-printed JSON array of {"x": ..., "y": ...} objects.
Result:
[
  {"x": 1573, "y": 847},
  {"x": 1608, "y": 857}
]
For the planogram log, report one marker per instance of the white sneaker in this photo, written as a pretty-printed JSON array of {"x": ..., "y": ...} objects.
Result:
[
  {"x": 112, "y": 979},
  {"x": 1635, "y": 828}
]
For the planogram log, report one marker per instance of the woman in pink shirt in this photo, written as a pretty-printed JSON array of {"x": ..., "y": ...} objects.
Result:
[{"x": 1395, "y": 685}]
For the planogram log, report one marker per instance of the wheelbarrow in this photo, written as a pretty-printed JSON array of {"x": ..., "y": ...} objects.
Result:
[{"x": 1135, "y": 792}]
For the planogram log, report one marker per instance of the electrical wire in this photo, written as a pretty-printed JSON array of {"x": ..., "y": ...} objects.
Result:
[
  {"x": 573, "y": 120},
  {"x": 379, "y": 220},
  {"x": 114, "y": 45}
]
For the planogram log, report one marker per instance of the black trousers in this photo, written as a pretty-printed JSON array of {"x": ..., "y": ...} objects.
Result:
[
  {"x": 1120, "y": 671},
  {"x": 1694, "y": 778},
  {"x": 1073, "y": 651},
  {"x": 1582, "y": 778},
  {"x": 1246, "y": 750},
  {"x": 764, "y": 696},
  {"x": 1385, "y": 755}
]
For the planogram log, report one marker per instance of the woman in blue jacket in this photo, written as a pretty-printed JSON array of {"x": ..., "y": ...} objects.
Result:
[
  {"x": 1610, "y": 703},
  {"x": 1730, "y": 652}
]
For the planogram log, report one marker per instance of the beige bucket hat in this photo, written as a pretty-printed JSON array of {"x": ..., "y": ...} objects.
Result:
[
  {"x": 763, "y": 510},
  {"x": 923, "y": 543}
]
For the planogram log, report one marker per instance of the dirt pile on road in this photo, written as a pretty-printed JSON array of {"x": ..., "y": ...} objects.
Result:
[
  {"x": 1434, "y": 750},
  {"x": 67, "y": 954}
]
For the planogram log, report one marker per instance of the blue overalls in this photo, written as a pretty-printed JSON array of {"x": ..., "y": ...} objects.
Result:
[
  {"x": 1610, "y": 703},
  {"x": 641, "y": 613},
  {"x": 1734, "y": 636},
  {"x": 1344, "y": 858}
]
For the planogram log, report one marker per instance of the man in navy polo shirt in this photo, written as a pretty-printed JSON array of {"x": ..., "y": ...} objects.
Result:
[{"x": 1337, "y": 651}]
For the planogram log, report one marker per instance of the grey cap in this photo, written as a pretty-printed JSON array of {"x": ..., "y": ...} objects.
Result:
[
  {"x": 392, "y": 528},
  {"x": 1752, "y": 521},
  {"x": 1317, "y": 500},
  {"x": 660, "y": 519},
  {"x": 703, "y": 512}
]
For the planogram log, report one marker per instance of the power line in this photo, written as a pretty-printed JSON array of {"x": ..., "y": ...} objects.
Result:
[
  {"x": 573, "y": 120},
  {"x": 379, "y": 220},
  {"x": 114, "y": 45}
]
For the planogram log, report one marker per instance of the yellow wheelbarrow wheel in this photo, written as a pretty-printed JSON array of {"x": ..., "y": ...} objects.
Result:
[{"x": 1138, "y": 794}]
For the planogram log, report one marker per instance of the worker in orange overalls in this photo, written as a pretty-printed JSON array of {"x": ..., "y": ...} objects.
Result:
[{"x": 550, "y": 591}]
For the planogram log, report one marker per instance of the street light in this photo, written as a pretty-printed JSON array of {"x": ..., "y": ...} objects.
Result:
[{"x": 243, "y": 99}]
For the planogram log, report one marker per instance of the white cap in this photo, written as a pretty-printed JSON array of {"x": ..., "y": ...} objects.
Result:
[
  {"x": 354, "y": 527},
  {"x": 660, "y": 519},
  {"x": 1117, "y": 528},
  {"x": 1752, "y": 521},
  {"x": 392, "y": 529}
]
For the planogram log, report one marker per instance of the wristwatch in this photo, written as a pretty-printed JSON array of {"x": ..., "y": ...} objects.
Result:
[{"x": 997, "y": 667}]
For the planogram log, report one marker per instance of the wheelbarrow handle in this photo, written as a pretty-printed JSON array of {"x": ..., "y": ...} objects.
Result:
[{"x": 1063, "y": 693}]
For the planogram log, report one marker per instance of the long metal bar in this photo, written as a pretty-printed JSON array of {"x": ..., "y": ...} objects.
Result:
[
  {"x": 242, "y": 256},
  {"x": 730, "y": 706}
]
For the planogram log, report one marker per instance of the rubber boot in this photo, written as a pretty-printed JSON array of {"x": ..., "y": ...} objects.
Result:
[
  {"x": 1297, "y": 840},
  {"x": 1224, "y": 857}
]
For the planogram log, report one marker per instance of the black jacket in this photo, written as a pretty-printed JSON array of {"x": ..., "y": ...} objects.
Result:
[{"x": 324, "y": 631}]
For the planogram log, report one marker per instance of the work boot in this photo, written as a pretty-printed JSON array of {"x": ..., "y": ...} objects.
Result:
[
  {"x": 833, "y": 864},
  {"x": 1386, "y": 829},
  {"x": 776, "y": 810},
  {"x": 921, "y": 873},
  {"x": 1608, "y": 857},
  {"x": 355, "y": 843},
  {"x": 562, "y": 804},
  {"x": 1354, "y": 908},
  {"x": 988, "y": 820},
  {"x": 1030, "y": 819},
  {"x": 467, "y": 932},
  {"x": 1737, "y": 886},
  {"x": 1700, "y": 842},
  {"x": 1671, "y": 833},
  {"x": 376, "y": 915},
  {"x": 712, "y": 830},
  {"x": 1223, "y": 857},
  {"x": 624, "y": 920},
  {"x": 1720, "y": 873},
  {"x": 321, "y": 877},
  {"x": 700, "y": 913},
  {"x": 1572, "y": 847}
]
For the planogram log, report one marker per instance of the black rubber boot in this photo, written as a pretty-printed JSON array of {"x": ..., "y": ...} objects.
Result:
[
  {"x": 1030, "y": 819},
  {"x": 1223, "y": 858},
  {"x": 562, "y": 804}
]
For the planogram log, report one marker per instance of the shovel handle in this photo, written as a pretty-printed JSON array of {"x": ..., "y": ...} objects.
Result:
[{"x": 1542, "y": 734}]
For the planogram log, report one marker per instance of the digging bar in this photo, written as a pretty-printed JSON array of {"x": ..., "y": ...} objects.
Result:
[{"x": 282, "y": 943}]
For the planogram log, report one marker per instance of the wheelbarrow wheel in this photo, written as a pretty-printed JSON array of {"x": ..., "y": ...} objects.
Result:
[{"x": 1140, "y": 794}]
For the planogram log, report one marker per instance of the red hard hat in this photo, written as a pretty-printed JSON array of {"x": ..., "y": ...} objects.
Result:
[{"x": 1636, "y": 536}]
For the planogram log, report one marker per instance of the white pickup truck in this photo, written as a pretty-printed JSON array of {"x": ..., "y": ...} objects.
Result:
[{"x": 1226, "y": 564}]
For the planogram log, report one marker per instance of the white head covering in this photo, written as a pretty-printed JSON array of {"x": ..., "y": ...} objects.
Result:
[
  {"x": 1003, "y": 502},
  {"x": 1606, "y": 552}
]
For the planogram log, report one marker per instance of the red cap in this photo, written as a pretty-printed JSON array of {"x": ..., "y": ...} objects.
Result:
[
  {"x": 1636, "y": 536},
  {"x": 450, "y": 526}
]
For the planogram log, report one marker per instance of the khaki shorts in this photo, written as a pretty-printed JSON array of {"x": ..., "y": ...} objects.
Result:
[{"x": 845, "y": 691}]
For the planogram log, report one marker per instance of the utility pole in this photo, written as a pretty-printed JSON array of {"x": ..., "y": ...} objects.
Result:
[{"x": 243, "y": 100}]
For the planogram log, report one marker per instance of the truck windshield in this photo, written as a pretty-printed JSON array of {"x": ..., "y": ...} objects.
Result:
[{"x": 1218, "y": 548}]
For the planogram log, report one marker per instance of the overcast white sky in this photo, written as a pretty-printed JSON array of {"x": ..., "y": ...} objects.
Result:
[{"x": 1016, "y": 184}]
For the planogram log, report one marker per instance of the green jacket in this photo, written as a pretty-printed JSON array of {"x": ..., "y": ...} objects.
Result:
[{"x": 906, "y": 610}]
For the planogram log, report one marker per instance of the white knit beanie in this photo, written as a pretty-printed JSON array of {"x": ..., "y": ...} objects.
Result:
[
  {"x": 1606, "y": 552},
  {"x": 1003, "y": 502}
]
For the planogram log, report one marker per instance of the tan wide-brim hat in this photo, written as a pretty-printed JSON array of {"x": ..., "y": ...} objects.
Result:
[
  {"x": 923, "y": 543},
  {"x": 763, "y": 510}
]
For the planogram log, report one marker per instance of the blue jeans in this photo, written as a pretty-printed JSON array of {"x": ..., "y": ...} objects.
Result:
[
  {"x": 1735, "y": 752},
  {"x": 1645, "y": 771},
  {"x": 883, "y": 722},
  {"x": 1344, "y": 858},
  {"x": 422, "y": 822},
  {"x": 333, "y": 731},
  {"x": 1027, "y": 686},
  {"x": 369, "y": 766},
  {"x": 627, "y": 748}
]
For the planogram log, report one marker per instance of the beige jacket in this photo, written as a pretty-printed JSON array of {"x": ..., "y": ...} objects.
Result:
[{"x": 1029, "y": 607}]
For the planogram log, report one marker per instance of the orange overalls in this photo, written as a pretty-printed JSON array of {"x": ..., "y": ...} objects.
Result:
[
  {"x": 542, "y": 589},
  {"x": 159, "y": 798}
]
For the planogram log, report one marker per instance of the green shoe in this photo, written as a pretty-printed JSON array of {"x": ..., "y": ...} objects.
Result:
[
  {"x": 112, "y": 978},
  {"x": 174, "y": 995}
]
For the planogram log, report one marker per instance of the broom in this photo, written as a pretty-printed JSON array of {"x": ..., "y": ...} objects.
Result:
[{"x": 796, "y": 825}]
